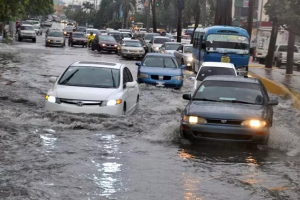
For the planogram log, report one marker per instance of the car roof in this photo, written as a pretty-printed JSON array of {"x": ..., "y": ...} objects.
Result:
[
  {"x": 160, "y": 55},
  {"x": 228, "y": 78},
  {"x": 110, "y": 65},
  {"x": 218, "y": 64}
]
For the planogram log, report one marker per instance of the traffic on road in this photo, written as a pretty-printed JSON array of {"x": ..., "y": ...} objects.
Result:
[{"x": 112, "y": 114}]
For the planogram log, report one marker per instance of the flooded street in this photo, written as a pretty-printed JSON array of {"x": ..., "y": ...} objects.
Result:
[{"x": 60, "y": 155}]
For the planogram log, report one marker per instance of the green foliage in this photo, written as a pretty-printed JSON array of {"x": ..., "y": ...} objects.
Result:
[
  {"x": 114, "y": 23},
  {"x": 287, "y": 12},
  {"x": 11, "y": 9}
]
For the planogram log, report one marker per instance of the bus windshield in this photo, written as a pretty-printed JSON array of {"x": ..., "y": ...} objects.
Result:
[{"x": 227, "y": 44}]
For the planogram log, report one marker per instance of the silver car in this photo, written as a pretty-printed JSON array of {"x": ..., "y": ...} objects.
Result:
[
  {"x": 169, "y": 47},
  {"x": 131, "y": 49},
  {"x": 184, "y": 55},
  {"x": 55, "y": 38}
]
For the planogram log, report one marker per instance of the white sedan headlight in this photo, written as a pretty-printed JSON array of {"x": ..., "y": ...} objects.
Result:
[
  {"x": 51, "y": 99},
  {"x": 190, "y": 58},
  {"x": 142, "y": 75},
  {"x": 112, "y": 102},
  {"x": 178, "y": 78}
]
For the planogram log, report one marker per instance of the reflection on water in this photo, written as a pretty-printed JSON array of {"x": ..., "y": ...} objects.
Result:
[
  {"x": 107, "y": 178},
  {"x": 48, "y": 141}
]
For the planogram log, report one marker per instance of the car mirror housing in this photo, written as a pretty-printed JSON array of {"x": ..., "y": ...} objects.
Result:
[
  {"x": 130, "y": 84},
  {"x": 187, "y": 96},
  {"x": 138, "y": 64},
  {"x": 273, "y": 102},
  {"x": 52, "y": 79}
]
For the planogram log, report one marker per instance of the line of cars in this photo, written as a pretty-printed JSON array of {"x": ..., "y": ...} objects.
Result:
[{"x": 222, "y": 106}]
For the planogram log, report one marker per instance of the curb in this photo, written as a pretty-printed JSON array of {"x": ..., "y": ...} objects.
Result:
[
  {"x": 261, "y": 66},
  {"x": 279, "y": 89}
]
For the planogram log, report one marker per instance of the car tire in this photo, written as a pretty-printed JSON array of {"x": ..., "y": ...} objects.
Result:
[
  {"x": 72, "y": 45},
  {"x": 92, "y": 48},
  {"x": 34, "y": 40},
  {"x": 19, "y": 38},
  {"x": 82, "y": 46}
]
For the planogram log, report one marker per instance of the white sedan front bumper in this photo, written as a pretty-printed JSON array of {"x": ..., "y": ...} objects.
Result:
[{"x": 89, "y": 109}]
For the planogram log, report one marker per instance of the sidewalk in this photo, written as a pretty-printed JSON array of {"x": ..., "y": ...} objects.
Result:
[{"x": 277, "y": 82}]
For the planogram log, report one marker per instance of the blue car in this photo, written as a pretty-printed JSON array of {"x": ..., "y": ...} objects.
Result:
[{"x": 161, "y": 70}]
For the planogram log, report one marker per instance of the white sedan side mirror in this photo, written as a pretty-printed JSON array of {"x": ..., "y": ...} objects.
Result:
[
  {"x": 130, "y": 84},
  {"x": 52, "y": 79}
]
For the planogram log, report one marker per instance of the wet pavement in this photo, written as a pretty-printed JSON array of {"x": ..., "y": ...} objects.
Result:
[{"x": 76, "y": 156}]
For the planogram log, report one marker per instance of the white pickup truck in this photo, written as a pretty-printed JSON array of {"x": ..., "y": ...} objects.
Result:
[{"x": 280, "y": 55}]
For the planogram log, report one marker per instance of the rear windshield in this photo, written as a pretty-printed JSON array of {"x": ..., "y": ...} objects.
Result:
[
  {"x": 27, "y": 28},
  {"x": 226, "y": 91},
  {"x": 161, "y": 40},
  {"x": 210, "y": 71},
  {"x": 126, "y": 35},
  {"x": 91, "y": 77}
]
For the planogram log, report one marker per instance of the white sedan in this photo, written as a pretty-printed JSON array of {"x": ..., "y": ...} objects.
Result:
[
  {"x": 211, "y": 69},
  {"x": 94, "y": 87}
]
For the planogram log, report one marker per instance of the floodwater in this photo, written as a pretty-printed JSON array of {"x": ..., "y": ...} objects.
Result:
[{"x": 48, "y": 155}]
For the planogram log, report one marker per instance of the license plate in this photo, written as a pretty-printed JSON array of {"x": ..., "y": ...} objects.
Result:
[
  {"x": 225, "y": 59},
  {"x": 160, "y": 84}
]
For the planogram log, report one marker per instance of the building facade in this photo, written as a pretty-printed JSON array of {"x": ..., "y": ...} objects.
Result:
[{"x": 58, "y": 6}]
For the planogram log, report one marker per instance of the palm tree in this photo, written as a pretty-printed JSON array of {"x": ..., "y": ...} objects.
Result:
[{"x": 127, "y": 6}]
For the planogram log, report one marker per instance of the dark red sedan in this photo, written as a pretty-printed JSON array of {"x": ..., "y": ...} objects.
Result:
[{"x": 77, "y": 38}]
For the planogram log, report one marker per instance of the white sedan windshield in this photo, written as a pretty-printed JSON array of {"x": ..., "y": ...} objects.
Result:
[{"x": 91, "y": 77}]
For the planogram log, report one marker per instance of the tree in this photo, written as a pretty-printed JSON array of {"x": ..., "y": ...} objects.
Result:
[
  {"x": 287, "y": 15},
  {"x": 127, "y": 5},
  {"x": 223, "y": 13},
  {"x": 153, "y": 6}
]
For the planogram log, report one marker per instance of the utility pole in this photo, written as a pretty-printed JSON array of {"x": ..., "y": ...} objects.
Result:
[
  {"x": 290, "y": 53},
  {"x": 250, "y": 16},
  {"x": 179, "y": 20},
  {"x": 203, "y": 13},
  {"x": 273, "y": 38},
  {"x": 147, "y": 5}
]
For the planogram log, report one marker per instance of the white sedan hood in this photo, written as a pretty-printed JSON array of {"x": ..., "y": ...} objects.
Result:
[{"x": 83, "y": 93}]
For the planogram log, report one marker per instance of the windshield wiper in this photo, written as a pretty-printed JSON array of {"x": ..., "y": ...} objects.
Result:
[
  {"x": 204, "y": 99},
  {"x": 237, "y": 101},
  {"x": 69, "y": 77},
  {"x": 113, "y": 79}
]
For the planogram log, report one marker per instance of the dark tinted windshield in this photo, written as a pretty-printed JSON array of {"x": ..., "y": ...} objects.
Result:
[
  {"x": 126, "y": 35},
  {"x": 132, "y": 44},
  {"x": 161, "y": 40},
  {"x": 188, "y": 49},
  {"x": 79, "y": 35},
  {"x": 150, "y": 36},
  {"x": 55, "y": 34},
  {"x": 283, "y": 48},
  {"x": 107, "y": 38},
  {"x": 172, "y": 46},
  {"x": 210, "y": 71},
  {"x": 88, "y": 31},
  {"x": 165, "y": 62},
  {"x": 91, "y": 77},
  {"x": 27, "y": 28},
  {"x": 230, "y": 91}
]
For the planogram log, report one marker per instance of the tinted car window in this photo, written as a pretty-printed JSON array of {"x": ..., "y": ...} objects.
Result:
[
  {"x": 107, "y": 38},
  {"x": 132, "y": 44},
  {"x": 91, "y": 77},
  {"x": 188, "y": 49},
  {"x": 78, "y": 35},
  {"x": 55, "y": 34},
  {"x": 210, "y": 71},
  {"x": 161, "y": 40},
  {"x": 27, "y": 28},
  {"x": 165, "y": 62},
  {"x": 284, "y": 49},
  {"x": 171, "y": 46},
  {"x": 230, "y": 91},
  {"x": 129, "y": 75}
]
